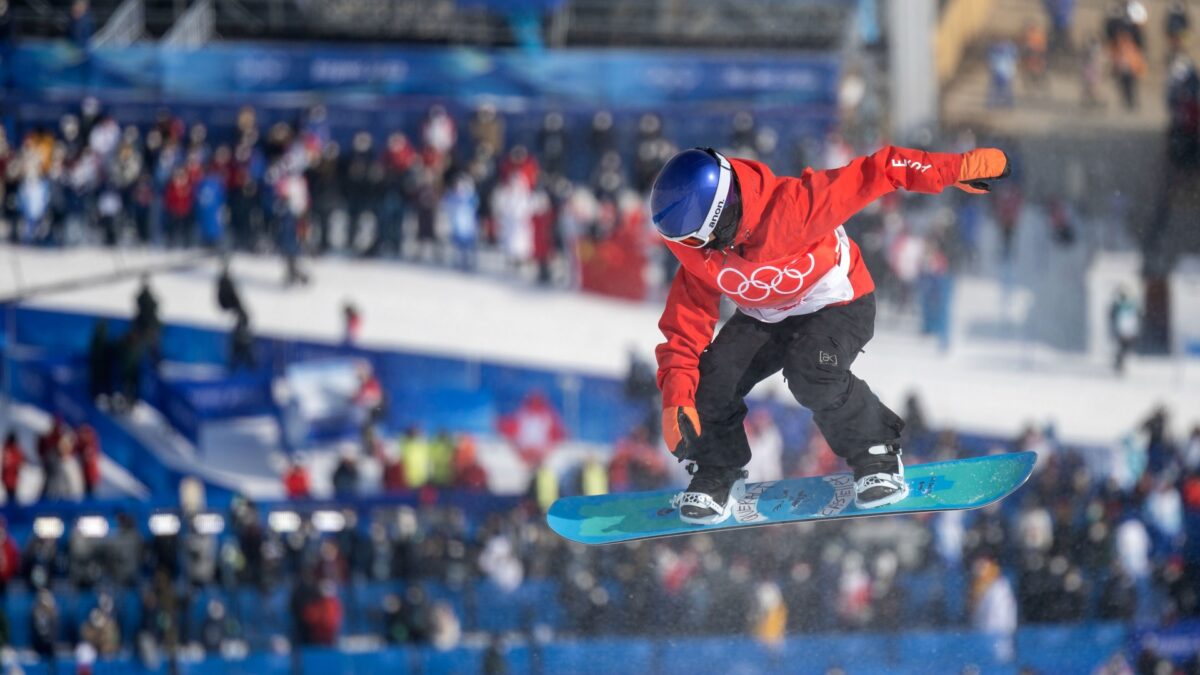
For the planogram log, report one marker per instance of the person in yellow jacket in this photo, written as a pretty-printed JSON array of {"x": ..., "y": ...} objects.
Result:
[
  {"x": 593, "y": 477},
  {"x": 545, "y": 486},
  {"x": 441, "y": 459},
  {"x": 770, "y": 619},
  {"x": 416, "y": 456}
]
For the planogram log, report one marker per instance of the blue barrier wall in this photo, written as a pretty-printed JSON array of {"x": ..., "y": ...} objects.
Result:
[{"x": 429, "y": 390}]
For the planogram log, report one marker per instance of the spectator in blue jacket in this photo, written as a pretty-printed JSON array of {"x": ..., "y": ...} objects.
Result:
[
  {"x": 210, "y": 207},
  {"x": 461, "y": 204}
]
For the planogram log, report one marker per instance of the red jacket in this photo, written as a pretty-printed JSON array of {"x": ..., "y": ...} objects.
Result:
[
  {"x": 295, "y": 483},
  {"x": 10, "y": 557},
  {"x": 636, "y": 465},
  {"x": 370, "y": 394},
  {"x": 790, "y": 256},
  {"x": 12, "y": 460},
  {"x": 178, "y": 198},
  {"x": 87, "y": 449},
  {"x": 323, "y": 615}
]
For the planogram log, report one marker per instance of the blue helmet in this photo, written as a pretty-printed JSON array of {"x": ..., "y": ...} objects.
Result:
[{"x": 689, "y": 195}]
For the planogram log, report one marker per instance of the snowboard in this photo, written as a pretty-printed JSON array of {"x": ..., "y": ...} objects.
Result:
[{"x": 936, "y": 486}]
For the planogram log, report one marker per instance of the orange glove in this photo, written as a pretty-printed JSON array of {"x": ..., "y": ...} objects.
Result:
[
  {"x": 980, "y": 166},
  {"x": 681, "y": 430}
]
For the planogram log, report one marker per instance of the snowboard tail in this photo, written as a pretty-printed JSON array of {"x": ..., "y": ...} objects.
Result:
[{"x": 936, "y": 486}]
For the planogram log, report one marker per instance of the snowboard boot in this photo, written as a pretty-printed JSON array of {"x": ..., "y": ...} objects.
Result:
[
  {"x": 879, "y": 477},
  {"x": 712, "y": 494}
]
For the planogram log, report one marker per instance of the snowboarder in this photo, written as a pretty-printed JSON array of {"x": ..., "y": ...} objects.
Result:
[{"x": 776, "y": 247}]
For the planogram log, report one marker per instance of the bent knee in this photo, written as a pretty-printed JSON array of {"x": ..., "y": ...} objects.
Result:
[{"x": 817, "y": 373}]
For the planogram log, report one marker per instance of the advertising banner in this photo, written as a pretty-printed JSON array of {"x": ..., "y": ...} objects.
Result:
[{"x": 590, "y": 77}]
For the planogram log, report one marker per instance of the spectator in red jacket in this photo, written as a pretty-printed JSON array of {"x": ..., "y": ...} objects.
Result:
[
  {"x": 296, "y": 484},
  {"x": 322, "y": 615},
  {"x": 399, "y": 156},
  {"x": 637, "y": 464},
  {"x": 351, "y": 323},
  {"x": 393, "y": 477},
  {"x": 10, "y": 556},
  {"x": 87, "y": 451},
  {"x": 179, "y": 200},
  {"x": 520, "y": 161},
  {"x": 11, "y": 461},
  {"x": 468, "y": 474},
  {"x": 369, "y": 398},
  {"x": 544, "y": 223}
]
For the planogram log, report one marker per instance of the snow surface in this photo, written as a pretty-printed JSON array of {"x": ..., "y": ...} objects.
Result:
[
  {"x": 248, "y": 467},
  {"x": 993, "y": 385}
]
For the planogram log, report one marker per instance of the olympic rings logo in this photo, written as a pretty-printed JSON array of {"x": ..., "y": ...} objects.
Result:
[{"x": 764, "y": 281}]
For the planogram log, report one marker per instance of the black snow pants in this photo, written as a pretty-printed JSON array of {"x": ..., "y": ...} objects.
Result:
[{"x": 815, "y": 352}]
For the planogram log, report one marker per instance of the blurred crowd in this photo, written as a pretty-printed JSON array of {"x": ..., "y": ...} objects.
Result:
[
  {"x": 68, "y": 459},
  {"x": 294, "y": 189},
  {"x": 1092, "y": 537},
  {"x": 1117, "y": 50},
  {"x": 567, "y": 208},
  {"x": 414, "y": 461},
  {"x": 417, "y": 461}
]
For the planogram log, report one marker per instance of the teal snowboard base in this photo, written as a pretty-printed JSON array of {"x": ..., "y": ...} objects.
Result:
[{"x": 937, "y": 486}]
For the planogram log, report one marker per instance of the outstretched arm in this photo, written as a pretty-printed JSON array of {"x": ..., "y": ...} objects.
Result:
[{"x": 833, "y": 196}]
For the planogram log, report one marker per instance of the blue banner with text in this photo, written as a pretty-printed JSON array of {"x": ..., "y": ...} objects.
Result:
[{"x": 562, "y": 77}]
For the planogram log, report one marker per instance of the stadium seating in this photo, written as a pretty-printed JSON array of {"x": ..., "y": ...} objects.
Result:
[{"x": 1051, "y": 649}]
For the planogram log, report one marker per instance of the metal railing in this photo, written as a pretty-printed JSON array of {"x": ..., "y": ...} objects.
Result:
[
  {"x": 194, "y": 28},
  {"x": 704, "y": 23},
  {"x": 126, "y": 26},
  {"x": 649, "y": 23},
  {"x": 727, "y": 24}
]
